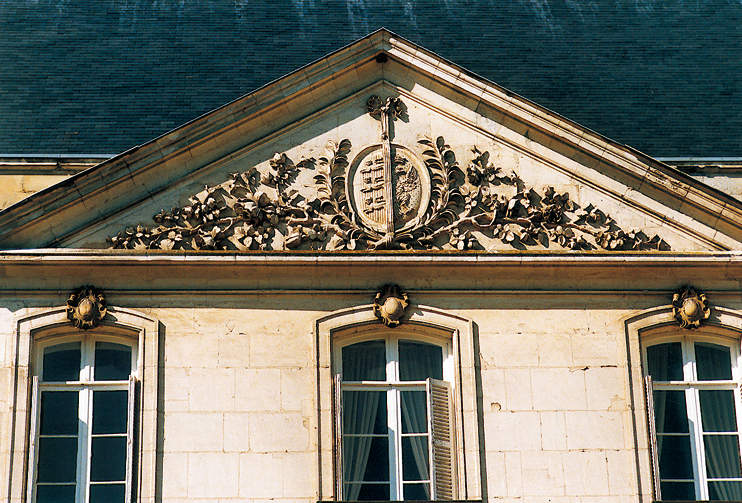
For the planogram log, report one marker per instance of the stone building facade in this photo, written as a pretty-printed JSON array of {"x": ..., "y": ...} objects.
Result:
[{"x": 379, "y": 277}]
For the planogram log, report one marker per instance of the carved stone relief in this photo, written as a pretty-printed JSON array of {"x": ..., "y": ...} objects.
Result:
[
  {"x": 390, "y": 304},
  {"x": 690, "y": 308},
  {"x": 387, "y": 196},
  {"x": 86, "y": 308}
]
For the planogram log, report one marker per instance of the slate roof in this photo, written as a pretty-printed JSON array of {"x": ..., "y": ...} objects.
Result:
[{"x": 90, "y": 77}]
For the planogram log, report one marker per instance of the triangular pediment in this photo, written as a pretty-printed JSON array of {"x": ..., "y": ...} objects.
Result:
[{"x": 380, "y": 145}]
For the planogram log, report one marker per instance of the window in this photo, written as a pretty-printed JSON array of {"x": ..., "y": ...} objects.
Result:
[
  {"x": 695, "y": 417},
  {"x": 82, "y": 420},
  {"x": 393, "y": 398}
]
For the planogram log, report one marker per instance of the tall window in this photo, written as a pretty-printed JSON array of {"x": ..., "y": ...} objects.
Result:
[
  {"x": 394, "y": 420},
  {"x": 82, "y": 415},
  {"x": 696, "y": 418}
]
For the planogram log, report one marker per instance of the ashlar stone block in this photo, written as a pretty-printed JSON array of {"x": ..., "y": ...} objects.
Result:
[
  {"x": 594, "y": 430},
  {"x": 193, "y": 431},
  {"x": 282, "y": 432},
  {"x": 237, "y": 431},
  {"x": 514, "y": 474},
  {"x": 585, "y": 473},
  {"x": 543, "y": 473},
  {"x": 558, "y": 389},
  {"x": 258, "y": 390},
  {"x": 211, "y": 389},
  {"x": 512, "y": 431},
  {"x": 261, "y": 475},
  {"x": 606, "y": 388},
  {"x": 175, "y": 475},
  {"x": 213, "y": 475},
  {"x": 299, "y": 475},
  {"x": 518, "y": 389},
  {"x": 553, "y": 431}
]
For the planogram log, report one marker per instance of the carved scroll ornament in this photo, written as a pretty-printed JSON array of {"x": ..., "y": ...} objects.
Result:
[
  {"x": 86, "y": 308},
  {"x": 388, "y": 196},
  {"x": 690, "y": 308},
  {"x": 390, "y": 304}
]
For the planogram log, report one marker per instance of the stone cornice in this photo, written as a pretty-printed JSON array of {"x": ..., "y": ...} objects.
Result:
[{"x": 45, "y": 270}]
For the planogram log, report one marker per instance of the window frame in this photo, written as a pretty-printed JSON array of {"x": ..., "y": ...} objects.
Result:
[
  {"x": 34, "y": 324},
  {"x": 466, "y": 405},
  {"x": 86, "y": 385},
  {"x": 392, "y": 382},
  {"x": 692, "y": 385}
]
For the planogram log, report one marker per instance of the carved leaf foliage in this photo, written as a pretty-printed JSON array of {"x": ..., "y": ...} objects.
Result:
[{"x": 469, "y": 209}]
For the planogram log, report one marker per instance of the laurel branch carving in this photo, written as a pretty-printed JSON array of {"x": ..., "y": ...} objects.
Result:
[{"x": 264, "y": 211}]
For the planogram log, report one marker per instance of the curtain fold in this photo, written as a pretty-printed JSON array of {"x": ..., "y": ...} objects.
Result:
[
  {"x": 722, "y": 451},
  {"x": 414, "y": 407},
  {"x": 418, "y": 361},
  {"x": 365, "y": 361},
  {"x": 361, "y": 408}
]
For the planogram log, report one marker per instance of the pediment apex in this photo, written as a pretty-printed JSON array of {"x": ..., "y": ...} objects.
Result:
[{"x": 477, "y": 202}]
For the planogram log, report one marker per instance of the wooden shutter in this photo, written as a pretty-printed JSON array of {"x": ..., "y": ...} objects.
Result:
[
  {"x": 33, "y": 430},
  {"x": 338, "y": 439},
  {"x": 441, "y": 441},
  {"x": 130, "y": 439},
  {"x": 653, "y": 438}
]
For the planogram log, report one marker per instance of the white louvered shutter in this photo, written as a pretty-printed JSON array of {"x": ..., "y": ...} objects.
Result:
[
  {"x": 653, "y": 438},
  {"x": 130, "y": 439},
  {"x": 30, "y": 492},
  {"x": 441, "y": 444},
  {"x": 338, "y": 439}
]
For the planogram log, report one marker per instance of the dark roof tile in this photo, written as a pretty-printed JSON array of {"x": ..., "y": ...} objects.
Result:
[{"x": 663, "y": 77}]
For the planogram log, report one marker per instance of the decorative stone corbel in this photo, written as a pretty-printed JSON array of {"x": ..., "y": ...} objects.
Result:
[
  {"x": 390, "y": 304},
  {"x": 690, "y": 308},
  {"x": 86, "y": 308}
]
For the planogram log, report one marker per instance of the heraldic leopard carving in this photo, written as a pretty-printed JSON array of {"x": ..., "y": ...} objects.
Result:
[{"x": 388, "y": 196}]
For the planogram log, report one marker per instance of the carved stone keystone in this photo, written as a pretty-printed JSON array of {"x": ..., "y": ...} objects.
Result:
[
  {"x": 86, "y": 308},
  {"x": 690, "y": 308},
  {"x": 390, "y": 304}
]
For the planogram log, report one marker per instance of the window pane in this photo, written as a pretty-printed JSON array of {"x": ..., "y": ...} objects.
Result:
[
  {"x": 722, "y": 456},
  {"x": 59, "y": 412},
  {"x": 108, "y": 459},
  {"x": 61, "y": 362},
  {"x": 678, "y": 491},
  {"x": 713, "y": 362},
  {"x": 724, "y": 491},
  {"x": 365, "y": 459},
  {"x": 107, "y": 493},
  {"x": 670, "y": 413},
  {"x": 55, "y": 494},
  {"x": 112, "y": 361},
  {"x": 717, "y": 410},
  {"x": 675, "y": 457},
  {"x": 57, "y": 459},
  {"x": 366, "y": 492},
  {"x": 418, "y": 361},
  {"x": 416, "y": 492},
  {"x": 414, "y": 412},
  {"x": 415, "y": 465},
  {"x": 110, "y": 411},
  {"x": 364, "y": 412},
  {"x": 365, "y": 361},
  {"x": 665, "y": 362}
]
